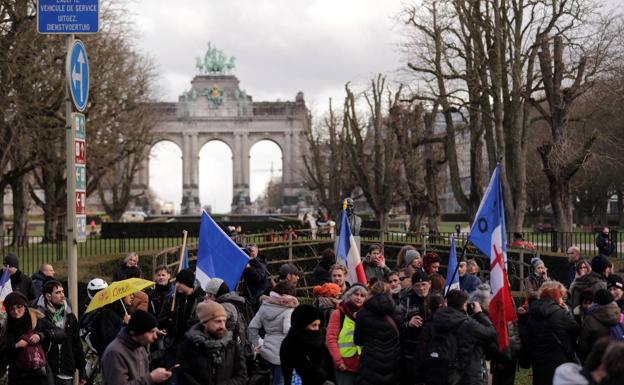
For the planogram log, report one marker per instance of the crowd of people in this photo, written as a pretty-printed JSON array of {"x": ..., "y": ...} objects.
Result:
[{"x": 402, "y": 327}]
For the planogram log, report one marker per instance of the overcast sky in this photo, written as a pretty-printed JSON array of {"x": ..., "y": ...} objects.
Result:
[{"x": 281, "y": 47}]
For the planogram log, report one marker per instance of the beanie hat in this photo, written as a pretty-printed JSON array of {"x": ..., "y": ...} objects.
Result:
[
  {"x": 410, "y": 256},
  {"x": 536, "y": 262},
  {"x": 15, "y": 298},
  {"x": 327, "y": 290},
  {"x": 11, "y": 260},
  {"x": 209, "y": 310},
  {"x": 303, "y": 315},
  {"x": 420, "y": 276},
  {"x": 600, "y": 263},
  {"x": 603, "y": 297},
  {"x": 186, "y": 277},
  {"x": 215, "y": 287},
  {"x": 141, "y": 322},
  {"x": 615, "y": 280}
]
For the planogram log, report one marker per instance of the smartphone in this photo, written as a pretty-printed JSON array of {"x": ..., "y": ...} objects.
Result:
[{"x": 173, "y": 367}]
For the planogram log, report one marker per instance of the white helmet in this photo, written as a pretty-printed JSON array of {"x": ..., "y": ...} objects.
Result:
[{"x": 95, "y": 285}]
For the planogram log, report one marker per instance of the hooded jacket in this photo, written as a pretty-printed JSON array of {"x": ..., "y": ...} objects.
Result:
[
  {"x": 255, "y": 279},
  {"x": 305, "y": 352},
  {"x": 473, "y": 335},
  {"x": 206, "y": 360},
  {"x": 593, "y": 280},
  {"x": 380, "y": 362},
  {"x": 274, "y": 317},
  {"x": 125, "y": 362},
  {"x": 551, "y": 334},
  {"x": 598, "y": 320}
]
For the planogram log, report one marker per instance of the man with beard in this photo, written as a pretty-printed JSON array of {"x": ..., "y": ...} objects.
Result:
[
  {"x": 67, "y": 355},
  {"x": 208, "y": 354}
]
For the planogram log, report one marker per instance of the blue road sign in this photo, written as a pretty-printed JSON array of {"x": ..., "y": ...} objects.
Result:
[
  {"x": 78, "y": 74},
  {"x": 68, "y": 16}
]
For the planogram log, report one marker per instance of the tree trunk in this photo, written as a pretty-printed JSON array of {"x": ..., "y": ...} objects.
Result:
[
  {"x": 2, "y": 187},
  {"x": 21, "y": 204}
]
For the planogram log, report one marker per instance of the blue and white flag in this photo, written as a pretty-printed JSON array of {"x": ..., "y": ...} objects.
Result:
[
  {"x": 452, "y": 276},
  {"x": 5, "y": 284},
  {"x": 217, "y": 255},
  {"x": 185, "y": 261}
]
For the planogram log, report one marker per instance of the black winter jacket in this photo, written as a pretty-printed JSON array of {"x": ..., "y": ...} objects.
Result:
[
  {"x": 183, "y": 317},
  {"x": 473, "y": 335},
  {"x": 205, "y": 360},
  {"x": 37, "y": 279},
  {"x": 66, "y": 355},
  {"x": 48, "y": 334},
  {"x": 380, "y": 363},
  {"x": 255, "y": 280},
  {"x": 158, "y": 296},
  {"x": 308, "y": 356},
  {"x": 22, "y": 283},
  {"x": 552, "y": 333}
]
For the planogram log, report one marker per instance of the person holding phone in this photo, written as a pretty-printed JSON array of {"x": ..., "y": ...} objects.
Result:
[{"x": 125, "y": 360}]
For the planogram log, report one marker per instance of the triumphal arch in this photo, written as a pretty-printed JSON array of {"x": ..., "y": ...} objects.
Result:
[{"x": 217, "y": 108}]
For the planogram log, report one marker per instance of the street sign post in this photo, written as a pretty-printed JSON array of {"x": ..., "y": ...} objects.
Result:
[
  {"x": 80, "y": 175},
  {"x": 68, "y": 16},
  {"x": 78, "y": 74}
]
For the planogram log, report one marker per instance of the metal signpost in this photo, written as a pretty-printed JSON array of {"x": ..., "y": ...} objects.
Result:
[{"x": 69, "y": 17}]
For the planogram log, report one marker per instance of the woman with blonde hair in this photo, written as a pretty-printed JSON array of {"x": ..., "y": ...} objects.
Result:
[
  {"x": 131, "y": 261},
  {"x": 552, "y": 332}
]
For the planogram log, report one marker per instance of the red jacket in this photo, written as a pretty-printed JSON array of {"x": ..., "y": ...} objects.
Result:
[{"x": 331, "y": 340}]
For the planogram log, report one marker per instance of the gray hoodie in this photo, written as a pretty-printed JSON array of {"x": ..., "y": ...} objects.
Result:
[{"x": 274, "y": 317}]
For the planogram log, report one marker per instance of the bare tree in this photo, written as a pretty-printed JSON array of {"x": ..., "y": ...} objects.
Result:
[
  {"x": 372, "y": 147},
  {"x": 416, "y": 139},
  {"x": 480, "y": 56},
  {"x": 327, "y": 171}
]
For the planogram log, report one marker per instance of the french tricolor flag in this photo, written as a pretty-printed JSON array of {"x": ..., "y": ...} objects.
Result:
[
  {"x": 5, "y": 284},
  {"x": 348, "y": 254}
]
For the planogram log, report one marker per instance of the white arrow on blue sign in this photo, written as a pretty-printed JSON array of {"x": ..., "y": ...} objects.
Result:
[{"x": 78, "y": 74}]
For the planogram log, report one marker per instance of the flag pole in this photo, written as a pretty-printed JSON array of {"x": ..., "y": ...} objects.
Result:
[
  {"x": 180, "y": 257},
  {"x": 461, "y": 257}
]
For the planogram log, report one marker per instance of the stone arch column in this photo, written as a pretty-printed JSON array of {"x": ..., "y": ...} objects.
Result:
[
  {"x": 240, "y": 155},
  {"x": 190, "y": 175}
]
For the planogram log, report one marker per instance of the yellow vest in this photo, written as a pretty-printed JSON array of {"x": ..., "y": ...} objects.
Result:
[{"x": 346, "y": 346}]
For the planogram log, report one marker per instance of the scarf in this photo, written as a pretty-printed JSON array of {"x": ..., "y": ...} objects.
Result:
[
  {"x": 308, "y": 338},
  {"x": 58, "y": 314},
  {"x": 213, "y": 346},
  {"x": 349, "y": 309}
]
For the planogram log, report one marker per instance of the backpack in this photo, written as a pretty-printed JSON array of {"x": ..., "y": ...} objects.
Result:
[
  {"x": 442, "y": 366},
  {"x": 31, "y": 357},
  {"x": 616, "y": 332}
]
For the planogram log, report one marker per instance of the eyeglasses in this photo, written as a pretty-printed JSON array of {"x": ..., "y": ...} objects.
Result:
[{"x": 403, "y": 278}]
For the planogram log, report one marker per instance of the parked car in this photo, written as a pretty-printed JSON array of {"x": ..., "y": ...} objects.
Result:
[{"x": 133, "y": 216}]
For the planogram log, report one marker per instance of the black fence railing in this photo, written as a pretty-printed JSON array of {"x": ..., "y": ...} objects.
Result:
[{"x": 33, "y": 251}]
